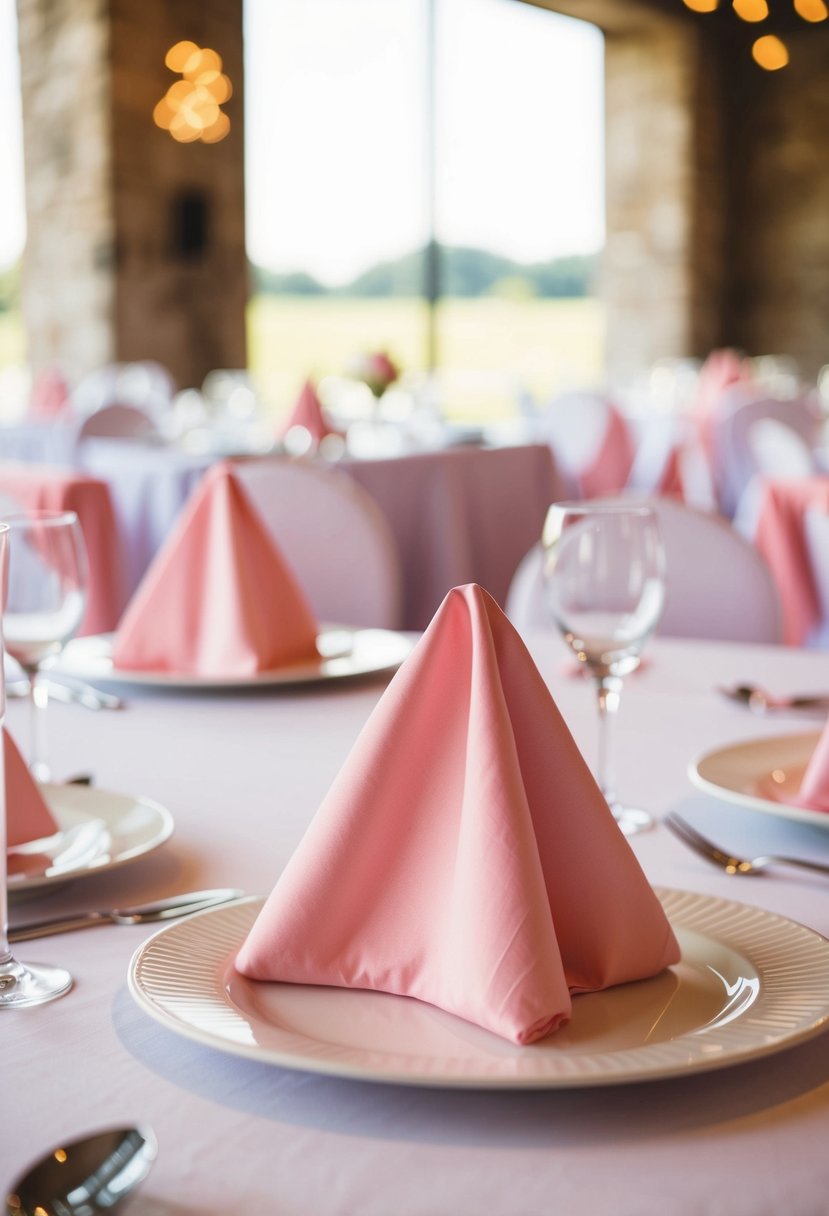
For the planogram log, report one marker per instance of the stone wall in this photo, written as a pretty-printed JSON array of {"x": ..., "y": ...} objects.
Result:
[
  {"x": 779, "y": 243},
  {"x": 68, "y": 285},
  {"x": 109, "y": 272},
  {"x": 647, "y": 265},
  {"x": 175, "y": 301},
  {"x": 717, "y": 186}
]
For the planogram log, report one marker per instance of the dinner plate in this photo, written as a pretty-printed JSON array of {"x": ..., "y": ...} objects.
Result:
[
  {"x": 344, "y": 653},
  {"x": 750, "y": 983},
  {"x": 762, "y": 774},
  {"x": 98, "y": 830}
]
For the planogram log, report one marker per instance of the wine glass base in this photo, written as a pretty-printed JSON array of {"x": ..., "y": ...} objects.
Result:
[
  {"x": 631, "y": 820},
  {"x": 22, "y": 985}
]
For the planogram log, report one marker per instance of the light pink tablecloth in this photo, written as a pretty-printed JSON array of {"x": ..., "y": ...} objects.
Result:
[
  {"x": 460, "y": 515},
  {"x": 242, "y": 776},
  {"x": 781, "y": 540},
  {"x": 48, "y": 488}
]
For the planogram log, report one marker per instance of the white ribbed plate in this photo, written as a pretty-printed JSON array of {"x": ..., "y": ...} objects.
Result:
[
  {"x": 97, "y": 830},
  {"x": 344, "y": 653},
  {"x": 761, "y": 774},
  {"x": 749, "y": 984}
]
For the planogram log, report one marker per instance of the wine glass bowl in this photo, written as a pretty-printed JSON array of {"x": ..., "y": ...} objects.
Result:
[
  {"x": 21, "y": 985},
  {"x": 44, "y": 604},
  {"x": 604, "y": 589}
]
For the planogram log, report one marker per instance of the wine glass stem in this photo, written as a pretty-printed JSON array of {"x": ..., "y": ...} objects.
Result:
[
  {"x": 5, "y": 952},
  {"x": 608, "y": 689},
  {"x": 40, "y": 703}
]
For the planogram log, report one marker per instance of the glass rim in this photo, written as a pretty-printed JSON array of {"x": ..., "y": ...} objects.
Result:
[
  {"x": 44, "y": 518},
  {"x": 602, "y": 506}
]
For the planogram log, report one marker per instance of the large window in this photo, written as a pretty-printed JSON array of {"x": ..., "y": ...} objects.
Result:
[{"x": 375, "y": 127}]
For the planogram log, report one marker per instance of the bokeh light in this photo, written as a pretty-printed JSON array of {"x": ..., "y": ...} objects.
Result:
[
  {"x": 811, "y": 10},
  {"x": 751, "y": 10},
  {"x": 190, "y": 109},
  {"x": 770, "y": 53},
  {"x": 702, "y": 6}
]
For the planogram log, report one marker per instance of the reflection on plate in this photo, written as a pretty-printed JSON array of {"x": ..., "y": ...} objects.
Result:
[
  {"x": 762, "y": 774},
  {"x": 344, "y": 652},
  {"x": 98, "y": 830},
  {"x": 749, "y": 984}
]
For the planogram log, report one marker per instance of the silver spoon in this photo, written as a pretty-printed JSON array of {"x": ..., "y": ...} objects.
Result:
[
  {"x": 89, "y": 1175},
  {"x": 759, "y": 701}
]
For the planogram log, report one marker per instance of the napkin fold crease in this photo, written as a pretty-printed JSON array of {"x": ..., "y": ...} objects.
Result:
[
  {"x": 219, "y": 598},
  {"x": 464, "y": 855}
]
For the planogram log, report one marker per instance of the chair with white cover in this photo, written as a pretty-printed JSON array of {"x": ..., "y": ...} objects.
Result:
[
  {"x": 717, "y": 585},
  {"x": 591, "y": 443},
  {"x": 145, "y": 385},
  {"x": 118, "y": 421},
  {"x": 776, "y": 450},
  {"x": 736, "y": 456},
  {"x": 334, "y": 537}
]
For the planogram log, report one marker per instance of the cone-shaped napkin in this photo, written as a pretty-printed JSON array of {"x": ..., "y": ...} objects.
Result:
[
  {"x": 465, "y": 855},
  {"x": 814, "y": 788},
  {"x": 219, "y": 599},
  {"x": 27, "y": 815},
  {"x": 308, "y": 412}
]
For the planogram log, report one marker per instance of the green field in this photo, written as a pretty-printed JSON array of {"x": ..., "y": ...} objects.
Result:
[{"x": 489, "y": 349}]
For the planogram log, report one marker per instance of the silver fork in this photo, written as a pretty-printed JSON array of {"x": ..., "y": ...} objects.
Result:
[{"x": 727, "y": 861}]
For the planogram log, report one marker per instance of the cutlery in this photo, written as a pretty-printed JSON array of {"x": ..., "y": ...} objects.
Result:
[
  {"x": 142, "y": 914},
  {"x": 727, "y": 861},
  {"x": 90, "y": 1175},
  {"x": 70, "y": 693},
  {"x": 759, "y": 701}
]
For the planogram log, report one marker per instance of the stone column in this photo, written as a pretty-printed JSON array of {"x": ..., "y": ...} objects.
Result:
[{"x": 136, "y": 243}]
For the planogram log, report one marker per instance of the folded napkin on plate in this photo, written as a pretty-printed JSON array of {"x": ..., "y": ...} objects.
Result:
[
  {"x": 218, "y": 599},
  {"x": 308, "y": 413},
  {"x": 27, "y": 815},
  {"x": 465, "y": 855},
  {"x": 814, "y": 788}
]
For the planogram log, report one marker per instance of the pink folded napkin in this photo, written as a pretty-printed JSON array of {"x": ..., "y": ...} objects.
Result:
[
  {"x": 609, "y": 470},
  {"x": 464, "y": 854},
  {"x": 308, "y": 412},
  {"x": 721, "y": 370},
  {"x": 49, "y": 397},
  {"x": 814, "y": 788},
  {"x": 27, "y": 815},
  {"x": 219, "y": 599}
]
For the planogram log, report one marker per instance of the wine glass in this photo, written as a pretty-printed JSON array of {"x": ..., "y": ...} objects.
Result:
[
  {"x": 20, "y": 984},
  {"x": 45, "y": 602},
  {"x": 604, "y": 587}
]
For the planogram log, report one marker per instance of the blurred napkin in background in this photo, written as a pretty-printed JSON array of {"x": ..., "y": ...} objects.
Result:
[
  {"x": 27, "y": 815},
  {"x": 814, "y": 788},
  {"x": 464, "y": 854},
  {"x": 309, "y": 414},
  {"x": 218, "y": 599}
]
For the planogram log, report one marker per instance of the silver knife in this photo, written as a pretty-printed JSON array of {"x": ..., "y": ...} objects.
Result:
[
  {"x": 75, "y": 692},
  {"x": 142, "y": 914}
]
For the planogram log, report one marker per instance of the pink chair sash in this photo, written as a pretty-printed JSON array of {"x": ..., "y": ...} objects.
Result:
[
  {"x": 44, "y": 488},
  {"x": 781, "y": 541}
]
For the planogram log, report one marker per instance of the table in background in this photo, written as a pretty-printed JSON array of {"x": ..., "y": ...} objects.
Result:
[
  {"x": 242, "y": 775},
  {"x": 458, "y": 515}
]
